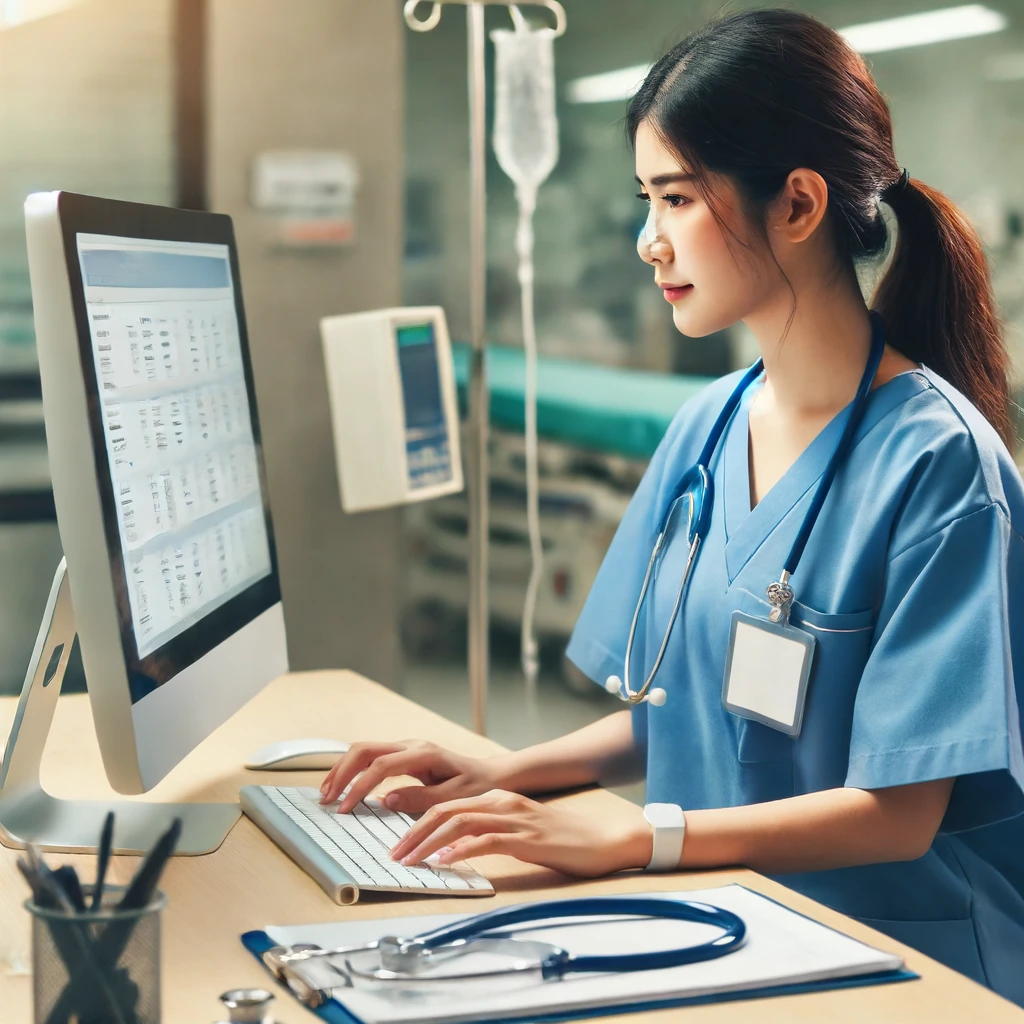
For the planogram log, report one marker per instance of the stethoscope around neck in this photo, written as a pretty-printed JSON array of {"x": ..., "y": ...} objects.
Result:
[{"x": 696, "y": 490}]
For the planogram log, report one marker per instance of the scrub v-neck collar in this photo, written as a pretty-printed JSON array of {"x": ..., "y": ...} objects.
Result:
[{"x": 747, "y": 528}]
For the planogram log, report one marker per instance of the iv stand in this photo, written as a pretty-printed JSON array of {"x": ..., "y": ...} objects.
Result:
[{"x": 479, "y": 397}]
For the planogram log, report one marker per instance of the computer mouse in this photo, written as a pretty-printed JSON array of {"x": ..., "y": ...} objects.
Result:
[{"x": 297, "y": 755}]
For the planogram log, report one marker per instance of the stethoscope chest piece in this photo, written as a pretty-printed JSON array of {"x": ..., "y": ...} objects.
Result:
[{"x": 248, "y": 1006}]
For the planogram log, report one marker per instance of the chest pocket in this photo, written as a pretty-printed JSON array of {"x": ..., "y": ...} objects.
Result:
[{"x": 816, "y": 759}]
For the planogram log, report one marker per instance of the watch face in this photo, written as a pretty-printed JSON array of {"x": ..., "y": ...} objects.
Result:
[{"x": 664, "y": 815}]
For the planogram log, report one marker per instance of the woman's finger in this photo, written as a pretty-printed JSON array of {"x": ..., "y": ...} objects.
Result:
[
  {"x": 458, "y": 826},
  {"x": 401, "y": 762},
  {"x": 436, "y": 816},
  {"x": 350, "y": 765},
  {"x": 417, "y": 799},
  {"x": 512, "y": 844}
]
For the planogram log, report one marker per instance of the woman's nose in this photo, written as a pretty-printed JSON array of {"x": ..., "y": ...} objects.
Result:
[
  {"x": 653, "y": 250},
  {"x": 650, "y": 246}
]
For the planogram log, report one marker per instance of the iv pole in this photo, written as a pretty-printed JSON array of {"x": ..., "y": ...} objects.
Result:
[{"x": 479, "y": 397}]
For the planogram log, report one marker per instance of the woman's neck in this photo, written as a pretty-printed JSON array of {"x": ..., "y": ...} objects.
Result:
[{"x": 813, "y": 366}]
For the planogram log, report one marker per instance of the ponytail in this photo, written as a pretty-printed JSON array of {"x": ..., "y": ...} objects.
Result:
[{"x": 936, "y": 300}]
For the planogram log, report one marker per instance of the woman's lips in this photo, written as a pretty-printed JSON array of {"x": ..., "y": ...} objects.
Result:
[{"x": 673, "y": 293}]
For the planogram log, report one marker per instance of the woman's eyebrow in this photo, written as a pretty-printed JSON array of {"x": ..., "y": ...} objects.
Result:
[{"x": 669, "y": 179}]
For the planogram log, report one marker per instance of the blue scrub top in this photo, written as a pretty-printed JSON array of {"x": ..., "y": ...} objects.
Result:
[{"x": 912, "y": 584}]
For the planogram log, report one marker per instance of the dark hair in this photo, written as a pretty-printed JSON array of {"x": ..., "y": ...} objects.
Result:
[{"x": 757, "y": 94}]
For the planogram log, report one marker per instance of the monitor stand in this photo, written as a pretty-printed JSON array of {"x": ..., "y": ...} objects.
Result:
[{"x": 28, "y": 814}]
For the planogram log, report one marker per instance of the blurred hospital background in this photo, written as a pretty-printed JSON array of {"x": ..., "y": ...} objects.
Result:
[{"x": 196, "y": 102}]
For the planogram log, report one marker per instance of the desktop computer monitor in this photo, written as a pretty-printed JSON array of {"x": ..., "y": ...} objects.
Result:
[{"x": 158, "y": 476}]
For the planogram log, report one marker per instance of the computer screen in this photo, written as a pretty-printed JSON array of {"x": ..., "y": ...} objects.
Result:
[{"x": 177, "y": 429}]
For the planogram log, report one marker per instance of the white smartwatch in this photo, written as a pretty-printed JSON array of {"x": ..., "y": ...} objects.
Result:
[{"x": 669, "y": 830}]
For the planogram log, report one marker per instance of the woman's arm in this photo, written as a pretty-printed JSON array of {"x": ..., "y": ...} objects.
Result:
[
  {"x": 603, "y": 752},
  {"x": 817, "y": 831}
]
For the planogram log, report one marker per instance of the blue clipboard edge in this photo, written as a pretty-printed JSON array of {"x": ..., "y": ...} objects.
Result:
[{"x": 258, "y": 942}]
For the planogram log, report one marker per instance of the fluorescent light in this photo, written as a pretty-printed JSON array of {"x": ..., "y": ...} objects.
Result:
[
  {"x": 871, "y": 37},
  {"x": 1007, "y": 67},
  {"x": 609, "y": 87},
  {"x": 17, "y": 12},
  {"x": 920, "y": 29}
]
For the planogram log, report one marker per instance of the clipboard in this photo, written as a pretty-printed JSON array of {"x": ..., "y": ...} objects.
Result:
[{"x": 336, "y": 1012}]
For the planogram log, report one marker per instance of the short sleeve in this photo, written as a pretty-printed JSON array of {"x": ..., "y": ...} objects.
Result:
[
  {"x": 598, "y": 643},
  {"x": 938, "y": 696}
]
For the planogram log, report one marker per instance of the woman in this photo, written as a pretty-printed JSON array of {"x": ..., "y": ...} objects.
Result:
[{"x": 764, "y": 150}]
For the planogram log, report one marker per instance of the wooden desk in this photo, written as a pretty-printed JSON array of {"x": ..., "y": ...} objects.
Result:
[{"x": 248, "y": 883}]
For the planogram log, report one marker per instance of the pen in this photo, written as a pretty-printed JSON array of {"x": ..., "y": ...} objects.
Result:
[{"x": 106, "y": 839}]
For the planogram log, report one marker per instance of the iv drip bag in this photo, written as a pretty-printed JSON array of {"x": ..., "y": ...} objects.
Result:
[{"x": 525, "y": 126}]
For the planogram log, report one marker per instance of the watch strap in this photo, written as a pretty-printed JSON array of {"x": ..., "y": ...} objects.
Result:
[{"x": 669, "y": 825}]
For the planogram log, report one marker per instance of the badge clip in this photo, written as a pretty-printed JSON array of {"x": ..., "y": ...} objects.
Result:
[{"x": 780, "y": 596}]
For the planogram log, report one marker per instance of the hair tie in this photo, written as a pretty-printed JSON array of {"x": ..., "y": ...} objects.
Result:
[{"x": 897, "y": 186}]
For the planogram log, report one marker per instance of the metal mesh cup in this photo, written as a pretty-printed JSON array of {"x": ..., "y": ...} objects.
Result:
[{"x": 101, "y": 967}]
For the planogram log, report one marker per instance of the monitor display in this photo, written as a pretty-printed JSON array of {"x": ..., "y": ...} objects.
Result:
[
  {"x": 177, "y": 427},
  {"x": 426, "y": 432}
]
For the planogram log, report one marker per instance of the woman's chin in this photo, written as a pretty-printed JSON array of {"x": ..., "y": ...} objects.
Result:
[{"x": 692, "y": 323}]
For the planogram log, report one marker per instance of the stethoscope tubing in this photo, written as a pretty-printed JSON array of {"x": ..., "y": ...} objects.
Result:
[
  {"x": 732, "y": 937},
  {"x": 639, "y": 696}
]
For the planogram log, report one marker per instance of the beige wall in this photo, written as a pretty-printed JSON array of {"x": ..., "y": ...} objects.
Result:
[{"x": 317, "y": 74}]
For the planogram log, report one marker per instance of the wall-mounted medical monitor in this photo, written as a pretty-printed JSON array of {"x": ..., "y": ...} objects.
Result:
[
  {"x": 156, "y": 458},
  {"x": 394, "y": 409}
]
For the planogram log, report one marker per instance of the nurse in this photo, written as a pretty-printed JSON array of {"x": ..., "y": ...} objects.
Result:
[{"x": 765, "y": 153}]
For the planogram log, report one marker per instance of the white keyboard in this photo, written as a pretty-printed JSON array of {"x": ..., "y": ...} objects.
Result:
[{"x": 347, "y": 853}]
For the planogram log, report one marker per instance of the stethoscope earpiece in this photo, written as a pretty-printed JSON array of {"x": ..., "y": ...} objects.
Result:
[{"x": 657, "y": 696}]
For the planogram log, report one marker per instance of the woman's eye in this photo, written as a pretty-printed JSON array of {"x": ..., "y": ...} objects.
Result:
[{"x": 673, "y": 201}]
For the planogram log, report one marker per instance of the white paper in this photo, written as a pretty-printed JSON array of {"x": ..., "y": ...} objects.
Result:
[{"x": 782, "y": 947}]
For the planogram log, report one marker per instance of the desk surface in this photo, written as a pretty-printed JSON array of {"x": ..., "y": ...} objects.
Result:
[{"x": 248, "y": 883}]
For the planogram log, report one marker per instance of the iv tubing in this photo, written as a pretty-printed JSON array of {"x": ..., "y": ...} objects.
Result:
[{"x": 527, "y": 198}]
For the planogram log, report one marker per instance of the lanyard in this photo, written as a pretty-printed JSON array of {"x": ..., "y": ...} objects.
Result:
[
  {"x": 780, "y": 594},
  {"x": 842, "y": 447}
]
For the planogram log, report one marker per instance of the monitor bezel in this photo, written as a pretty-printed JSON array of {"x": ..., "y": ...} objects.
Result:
[{"x": 118, "y": 219}]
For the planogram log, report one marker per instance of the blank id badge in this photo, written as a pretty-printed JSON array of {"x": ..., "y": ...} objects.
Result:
[{"x": 766, "y": 672}]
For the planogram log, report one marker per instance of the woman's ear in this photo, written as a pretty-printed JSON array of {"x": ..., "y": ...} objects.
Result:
[{"x": 798, "y": 210}]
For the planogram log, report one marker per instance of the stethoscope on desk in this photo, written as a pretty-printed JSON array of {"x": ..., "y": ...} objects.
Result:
[
  {"x": 696, "y": 493},
  {"x": 412, "y": 961}
]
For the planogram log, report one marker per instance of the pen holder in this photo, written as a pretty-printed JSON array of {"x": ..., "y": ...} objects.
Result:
[{"x": 100, "y": 967}]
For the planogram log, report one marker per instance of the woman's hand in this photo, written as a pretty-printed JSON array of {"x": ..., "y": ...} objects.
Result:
[
  {"x": 500, "y": 822},
  {"x": 445, "y": 776}
]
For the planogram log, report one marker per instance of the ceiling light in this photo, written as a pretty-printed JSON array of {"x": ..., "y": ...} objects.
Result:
[
  {"x": 609, "y": 87},
  {"x": 920, "y": 29},
  {"x": 17, "y": 12}
]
